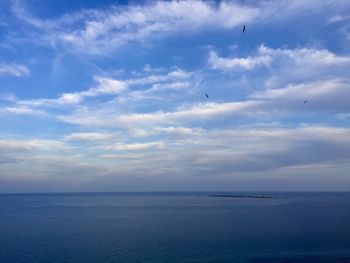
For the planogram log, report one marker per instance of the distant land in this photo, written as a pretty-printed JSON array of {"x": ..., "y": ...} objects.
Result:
[{"x": 244, "y": 196}]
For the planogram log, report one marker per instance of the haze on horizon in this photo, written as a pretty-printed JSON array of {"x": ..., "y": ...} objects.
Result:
[{"x": 111, "y": 96}]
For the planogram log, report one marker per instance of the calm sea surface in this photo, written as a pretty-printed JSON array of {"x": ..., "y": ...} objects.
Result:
[{"x": 174, "y": 227}]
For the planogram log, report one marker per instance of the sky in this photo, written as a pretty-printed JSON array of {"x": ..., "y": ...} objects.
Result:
[{"x": 111, "y": 95}]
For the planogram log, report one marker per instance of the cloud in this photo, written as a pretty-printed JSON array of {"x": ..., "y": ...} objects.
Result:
[
  {"x": 89, "y": 136},
  {"x": 337, "y": 18},
  {"x": 101, "y": 31},
  {"x": 21, "y": 150},
  {"x": 133, "y": 146},
  {"x": 105, "y": 86},
  {"x": 179, "y": 131},
  {"x": 297, "y": 58},
  {"x": 8, "y": 97},
  {"x": 14, "y": 70},
  {"x": 151, "y": 78},
  {"x": 343, "y": 116},
  {"x": 153, "y": 86},
  {"x": 236, "y": 151},
  {"x": 22, "y": 111},
  {"x": 175, "y": 80},
  {"x": 291, "y": 147},
  {"x": 328, "y": 95},
  {"x": 305, "y": 56},
  {"x": 196, "y": 111},
  {"x": 247, "y": 63},
  {"x": 38, "y": 160},
  {"x": 323, "y": 96},
  {"x": 33, "y": 144},
  {"x": 137, "y": 23},
  {"x": 124, "y": 111},
  {"x": 157, "y": 122}
]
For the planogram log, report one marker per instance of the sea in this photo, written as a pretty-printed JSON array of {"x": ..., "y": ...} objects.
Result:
[{"x": 175, "y": 227}]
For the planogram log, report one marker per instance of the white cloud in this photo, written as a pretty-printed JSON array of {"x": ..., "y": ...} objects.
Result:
[
  {"x": 22, "y": 111},
  {"x": 14, "y": 70},
  {"x": 235, "y": 153},
  {"x": 33, "y": 144},
  {"x": 175, "y": 80},
  {"x": 154, "y": 86},
  {"x": 176, "y": 131},
  {"x": 89, "y": 136},
  {"x": 179, "y": 131},
  {"x": 233, "y": 63},
  {"x": 337, "y": 18},
  {"x": 112, "y": 29},
  {"x": 299, "y": 58},
  {"x": 197, "y": 111},
  {"x": 8, "y": 97},
  {"x": 173, "y": 75},
  {"x": 305, "y": 56},
  {"x": 328, "y": 95},
  {"x": 132, "y": 146},
  {"x": 99, "y": 31},
  {"x": 155, "y": 92},
  {"x": 105, "y": 86}
]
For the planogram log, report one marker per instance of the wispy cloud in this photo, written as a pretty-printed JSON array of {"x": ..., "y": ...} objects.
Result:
[
  {"x": 33, "y": 144},
  {"x": 14, "y": 70},
  {"x": 21, "y": 110},
  {"x": 133, "y": 146},
  {"x": 89, "y": 137},
  {"x": 234, "y": 151},
  {"x": 102, "y": 31},
  {"x": 233, "y": 63},
  {"x": 323, "y": 96},
  {"x": 237, "y": 152},
  {"x": 105, "y": 86},
  {"x": 328, "y": 95},
  {"x": 265, "y": 56},
  {"x": 198, "y": 111},
  {"x": 338, "y": 18},
  {"x": 110, "y": 115},
  {"x": 129, "y": 89}
]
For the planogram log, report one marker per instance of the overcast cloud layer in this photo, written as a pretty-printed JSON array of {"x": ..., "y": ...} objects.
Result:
[{"x": 112, "y": 97}]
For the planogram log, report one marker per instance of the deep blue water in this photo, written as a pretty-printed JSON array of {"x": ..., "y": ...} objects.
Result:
[{"x": 174, "y": 227}]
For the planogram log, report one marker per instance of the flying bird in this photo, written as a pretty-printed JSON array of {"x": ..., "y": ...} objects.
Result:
[
  {"x": 206, "y": 95},
  {"x": 305, "y": 101},
  {"x": 244, "y": 28}
]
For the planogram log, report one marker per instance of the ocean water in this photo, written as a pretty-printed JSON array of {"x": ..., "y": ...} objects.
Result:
[{"x": 174, "y": 227}]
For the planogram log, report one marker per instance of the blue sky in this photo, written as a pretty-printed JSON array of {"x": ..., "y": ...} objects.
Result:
[{"x": 110, "y": 96}]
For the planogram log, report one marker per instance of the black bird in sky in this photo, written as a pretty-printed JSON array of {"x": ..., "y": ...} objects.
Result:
[
  {"x": 305, "y": 101},
  {"x": 206, "y": 95},
  {"x": 244, "y": 28}
]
